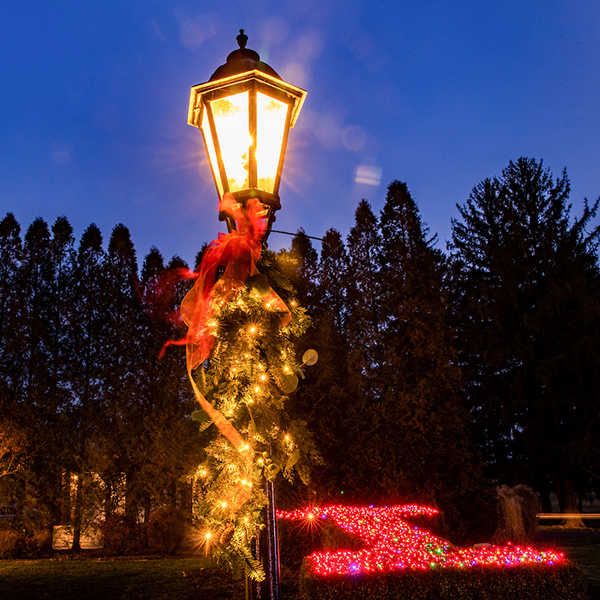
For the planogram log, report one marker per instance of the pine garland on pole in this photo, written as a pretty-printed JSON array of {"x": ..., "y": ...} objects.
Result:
[{"x": 242, "y": 366}]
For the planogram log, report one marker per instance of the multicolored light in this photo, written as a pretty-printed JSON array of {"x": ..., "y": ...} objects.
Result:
[{"x": 392, "y": 544}]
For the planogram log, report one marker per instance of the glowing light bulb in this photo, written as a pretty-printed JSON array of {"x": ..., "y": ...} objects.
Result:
[{"x": 271, "y": 117}]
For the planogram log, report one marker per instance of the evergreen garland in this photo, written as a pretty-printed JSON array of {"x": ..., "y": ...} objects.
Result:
[{"x": 248, "y": 378}]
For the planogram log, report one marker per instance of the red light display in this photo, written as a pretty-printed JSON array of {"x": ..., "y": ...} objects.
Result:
[{"x": 392, "y": 544}]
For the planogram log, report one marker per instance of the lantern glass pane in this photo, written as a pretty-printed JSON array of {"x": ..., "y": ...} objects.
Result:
[
  {"x": 212, "y": 154},
  {"x": 231, "y": 125},
  {"x": 271, "y": 116}
]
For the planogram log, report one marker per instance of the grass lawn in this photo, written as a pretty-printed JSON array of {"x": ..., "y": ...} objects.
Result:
[
  {"x": 197, "y": 579},
  {"x": 127, "y": 579},
  {"x": 581, "y": 546}
]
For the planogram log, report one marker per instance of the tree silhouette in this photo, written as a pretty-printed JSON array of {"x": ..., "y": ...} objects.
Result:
[{"x": 526, "y": 306}]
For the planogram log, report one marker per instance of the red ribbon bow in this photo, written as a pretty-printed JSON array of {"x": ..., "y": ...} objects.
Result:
[{"x": 238, "y": 252}]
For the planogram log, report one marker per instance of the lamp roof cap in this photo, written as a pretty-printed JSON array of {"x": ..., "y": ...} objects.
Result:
[{"x": 241, "y": 60}]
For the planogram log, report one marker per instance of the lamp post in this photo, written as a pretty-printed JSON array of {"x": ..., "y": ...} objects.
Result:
[{"x": 245, "y": 112}]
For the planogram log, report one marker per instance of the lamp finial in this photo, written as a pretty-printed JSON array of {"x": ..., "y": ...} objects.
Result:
[{"x": 242, "y": 39}]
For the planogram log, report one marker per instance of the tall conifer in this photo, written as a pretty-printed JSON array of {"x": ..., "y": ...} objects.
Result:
[
  {"x": 11, "y": 371},
  {"x": 427, "y": 427},
  {"x": 84, "y": 461},
  {"x": 120, "y": 376},
  {"x": 527, "y": 301}
]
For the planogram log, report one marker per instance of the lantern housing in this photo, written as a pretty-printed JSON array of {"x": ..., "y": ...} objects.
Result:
[{"x": 245, "y": 112}]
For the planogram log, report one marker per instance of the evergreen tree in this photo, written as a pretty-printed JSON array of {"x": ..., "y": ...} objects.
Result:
[
  {"x": 169, "y": 448},
  {"x": 526, "y": 298},
  {"x": 321, "y": 400},
  {"x": 90, "y": 310},
  {"x": 61, "y": 314},
  {"x": 40, "y": 406},
  {"x": 84, "y": 461},
  {"x": 11, "y": 370},
  {"x": 60, "y": 328},
  {"x": 15, "y": 423},
  {"x": 36, "y": 285},
  {"x": 80, "y": 381},
  {"x": 428, "y": 449},
  {"x": 300, "y": 264},
  {"x": 384, "y": 400},
  {"x": 121, "y": 373},
  {"x": 365, "y": 290},
  {"x": 333, "y": 279}
]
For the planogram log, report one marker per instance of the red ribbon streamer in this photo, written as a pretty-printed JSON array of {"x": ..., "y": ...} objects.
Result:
[{"x": 237, "y": 252}]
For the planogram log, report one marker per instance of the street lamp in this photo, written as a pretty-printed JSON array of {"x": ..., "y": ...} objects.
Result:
[{"x": 245, "y": 112}]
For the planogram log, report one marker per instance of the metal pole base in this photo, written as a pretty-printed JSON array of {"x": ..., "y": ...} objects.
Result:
[{"x": 267, "y": 552}]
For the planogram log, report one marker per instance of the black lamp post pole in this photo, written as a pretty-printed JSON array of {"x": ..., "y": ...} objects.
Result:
[{"x": 267, "y": 551}]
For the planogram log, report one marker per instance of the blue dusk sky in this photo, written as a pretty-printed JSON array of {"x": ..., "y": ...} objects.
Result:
[{"x": 439, "y": 94}]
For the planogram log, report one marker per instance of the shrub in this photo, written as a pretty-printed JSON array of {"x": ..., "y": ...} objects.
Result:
[
  {"x": 41, "y": 542},
  {"x": 8, "y": 542},
  {"x": 34, "y": 545},
  {"x": 166, "y": 529},
  {"x": 296, "y": 540},
  {"x": 119, "y": 533},
  {"x": 531, "y": 582}
]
